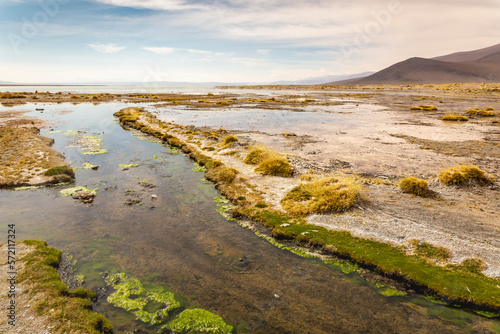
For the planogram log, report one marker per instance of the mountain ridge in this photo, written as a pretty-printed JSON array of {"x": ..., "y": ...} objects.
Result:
[{"x": 482, "y": 65}]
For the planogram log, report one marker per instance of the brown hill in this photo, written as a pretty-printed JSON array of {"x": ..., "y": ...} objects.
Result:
[
  {"x": 468, "y": 56},
  {"x": 473, "y": 66}
]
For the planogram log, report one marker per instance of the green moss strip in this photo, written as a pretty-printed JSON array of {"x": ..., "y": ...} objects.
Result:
[
  {"x": 69, "y": 311},
  {"x": 452, "y": 283}
]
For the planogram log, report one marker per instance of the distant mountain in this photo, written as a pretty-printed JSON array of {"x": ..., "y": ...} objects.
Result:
[
  {"x": 6, "y": 83},
  {"x": 481, "y": 65},
  {"x": 321, "y": 80}
]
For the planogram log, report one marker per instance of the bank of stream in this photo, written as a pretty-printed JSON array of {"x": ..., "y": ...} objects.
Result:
[{"x": 155, "y": 219}]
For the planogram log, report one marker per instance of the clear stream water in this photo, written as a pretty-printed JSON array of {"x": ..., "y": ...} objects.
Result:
[{"x": 181, "y": 243}]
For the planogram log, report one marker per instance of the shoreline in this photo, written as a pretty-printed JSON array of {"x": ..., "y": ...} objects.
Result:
[{"x": 42, "y": 299}]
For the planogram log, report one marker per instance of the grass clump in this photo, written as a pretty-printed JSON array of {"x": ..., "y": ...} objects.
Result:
[
  {"x": 269, "y": 162},
  {"x": 425, "y": 107},
  {"x": 415, "y": 186},
  {"x": 68, "y": 311},
  {"x": 465, "y": 174},
  {"x": 257, "y": 155},
  {"x": 326, "y": 195},
  {"x": 226, "y": 174},
  {"x": 455, "y": 118},
  {"x": 275, "y": 167},
  {"x": 424, "y": 249},
  {"x": 473, "y": 265},
  {"x": 229, "y": 140},
  {"x": 60, "y": 171},
  {"x": 487, "y": 112}
]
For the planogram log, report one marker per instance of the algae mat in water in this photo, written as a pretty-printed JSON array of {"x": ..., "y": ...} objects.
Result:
[{"x": 132, "y": 296}]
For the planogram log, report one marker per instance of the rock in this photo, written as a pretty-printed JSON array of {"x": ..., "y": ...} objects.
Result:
[
  {"x": 154, "y": 197},
  {"x": 84, "y": 196}
]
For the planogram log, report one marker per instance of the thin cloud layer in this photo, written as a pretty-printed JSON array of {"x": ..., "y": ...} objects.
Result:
[{"x": 106, "y": 48}]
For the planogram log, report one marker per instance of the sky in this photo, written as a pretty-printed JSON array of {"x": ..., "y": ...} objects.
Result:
[{"x": 252, "y": 41}]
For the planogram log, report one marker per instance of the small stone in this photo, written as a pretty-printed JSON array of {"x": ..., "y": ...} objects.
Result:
[
  {"x": 276, "y": 296},
  {"x": 154, "y": 197},
  {"x": 285, "y": 225}
]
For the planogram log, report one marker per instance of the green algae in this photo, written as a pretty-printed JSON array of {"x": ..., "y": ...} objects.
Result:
[
  {"x": 28, "y": 188},
  {"x": 198, "y": 168},
  {"x": 224, "y": 207},
  {"x": 128, "y": 166},
  {"x": 71, "y": 133},
  {"x": 131, "y": 295},
  {"x": 79, "y": 279},
  {"x": 174, "y": 150},
  {"x": 389, "y": 292},
  {"x": 88, "y": 165},
  {"x": 90, "y": 145},
  {"x": 198, "y": 321},
  {"x": 490, "y": 315},
  {"x": 346, "y": 266},
  {"x": 295, "y": 250},
  {"x": 96, "y": 152},
  {"x": 146, "y": 138},
  {"x": 72, "y": 191}
]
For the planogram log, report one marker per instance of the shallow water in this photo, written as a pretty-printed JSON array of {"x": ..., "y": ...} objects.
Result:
[
  {"x": 180, "y": 242},
  {"x": 299, "y": 120}
]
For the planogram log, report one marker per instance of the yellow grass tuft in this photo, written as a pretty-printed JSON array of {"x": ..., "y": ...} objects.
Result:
[
  {"x": 465, "y": 174},
  {"x": 276, "y": 167},
  {"x": 229, "y": 140},
  {"x": 259, "y": 154},
  {"x": 415, "y": 186},
  {"x": 488, "y": 112},
  {"x": 226, "y": 174},
  {"x": 455, "y": 118},
  {"x": 323, "y": 196},
  {"x": 425, "y": 107}
]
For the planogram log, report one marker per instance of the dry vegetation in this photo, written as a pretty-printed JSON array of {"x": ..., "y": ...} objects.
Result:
[
  {"x": 487, "y": 112},
  {"x": 425, "y": 107},
  {"x": 455, "y": 118},
  {"x": 26, "y": 157},
  {"x": 466, "y": 174},
  {"x": 269, "y": 162},
  {"x": 414, "y": 186},
  {"x": 322, "y": 196}
]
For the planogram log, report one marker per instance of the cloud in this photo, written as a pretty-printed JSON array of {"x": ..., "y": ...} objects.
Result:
[
  {"x": 167, "y": 50},
  {"x": 160, "y": 50},
  {"x": 152, "y": 4},
  {"x": 106, "y": 48}
]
